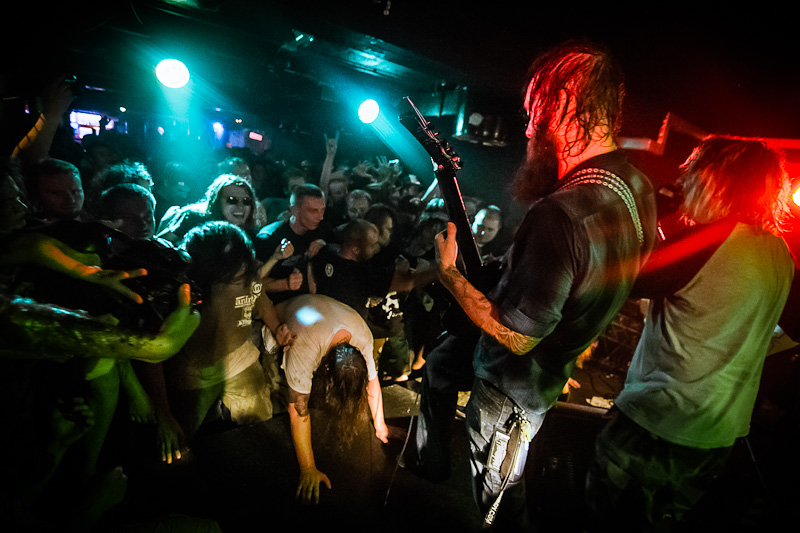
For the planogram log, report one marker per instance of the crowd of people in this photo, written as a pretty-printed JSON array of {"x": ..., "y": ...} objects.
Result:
[
  {"x": 199, "y": 274},
  {"x": 257, "y": 286}
]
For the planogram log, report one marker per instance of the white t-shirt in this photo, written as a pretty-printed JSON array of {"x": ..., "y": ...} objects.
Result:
[{"x": 315, "y": 319}]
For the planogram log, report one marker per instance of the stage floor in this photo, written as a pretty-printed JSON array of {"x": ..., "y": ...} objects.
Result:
[{"x": 244, "y": 478}]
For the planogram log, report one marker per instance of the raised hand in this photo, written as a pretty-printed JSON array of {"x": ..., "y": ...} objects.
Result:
[
  {"x": 112, "y": 279},
  {"x": 295, "y": 280},
  {"x": 285, "y": 249},
  {"x": 331, "y": 145},
  {"x": 447, "y": 248}
]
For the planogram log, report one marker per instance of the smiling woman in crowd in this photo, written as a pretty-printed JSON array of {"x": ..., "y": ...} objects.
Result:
[{"x": 229, "y": 198}]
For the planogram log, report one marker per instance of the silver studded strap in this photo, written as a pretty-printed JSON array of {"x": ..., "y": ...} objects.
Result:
[{"x": 615, "y": 183}]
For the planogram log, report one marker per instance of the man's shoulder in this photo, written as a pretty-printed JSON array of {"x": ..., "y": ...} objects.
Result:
[
  {"x": 616, "y": 164},
  {"x": 329, "y": 260},
  {"x": 279, "y": 227}
]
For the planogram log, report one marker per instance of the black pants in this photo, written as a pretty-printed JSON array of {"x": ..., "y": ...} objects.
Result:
[
  {"x": 447, "y": 370},
  {"x": 639, "y": 482}
]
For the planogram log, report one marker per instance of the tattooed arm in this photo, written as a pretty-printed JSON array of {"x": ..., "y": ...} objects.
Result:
[
  {"x": 300, "y": 421},
  {"x": 477, "y": 307}
]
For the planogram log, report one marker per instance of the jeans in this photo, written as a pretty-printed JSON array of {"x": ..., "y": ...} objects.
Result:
[{"x": 487, "y": 410}]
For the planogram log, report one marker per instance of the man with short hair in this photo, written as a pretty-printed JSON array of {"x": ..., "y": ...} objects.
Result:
[
  {"x": 345, "y": 272},
  {"x": 56, "y": 190},
  {"x": 358, "y": 203},
  {"x": 306, "y": 230},
  {"x": 486, "y": 228},
  {"x": 130, "y": 208}
]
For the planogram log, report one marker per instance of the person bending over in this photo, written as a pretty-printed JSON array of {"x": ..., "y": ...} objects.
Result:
[{"x": 329, "y": 365}]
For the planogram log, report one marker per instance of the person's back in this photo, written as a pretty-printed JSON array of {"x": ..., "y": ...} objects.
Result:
[
  {"x": 695, "y": 375},
  {"x": 316, "y": 319},
  {"x": 593, "y": 257},
  {"x": 346, "y": 272}
]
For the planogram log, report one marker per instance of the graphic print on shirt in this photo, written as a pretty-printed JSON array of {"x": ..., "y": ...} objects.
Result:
[{"x": 246, "y": 304}]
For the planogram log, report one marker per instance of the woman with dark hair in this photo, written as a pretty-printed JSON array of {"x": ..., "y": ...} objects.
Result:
[
  {"x": 229, "y": 198},
  {"x": 221, "y": 362},
  {"x": 232, "y": 198}
]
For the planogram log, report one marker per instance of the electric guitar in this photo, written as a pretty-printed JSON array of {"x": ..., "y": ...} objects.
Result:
[{"x": 448, "y": 164}]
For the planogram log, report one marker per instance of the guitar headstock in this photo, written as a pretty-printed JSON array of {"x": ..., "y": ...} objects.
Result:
[{"x": 424, "y": 132}]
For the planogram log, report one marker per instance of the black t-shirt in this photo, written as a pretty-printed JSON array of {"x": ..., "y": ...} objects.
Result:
[
  {"x": 268, "y": 240},
  {"x": 350, "y": 282},
  {"x": 568, "y": 272}
]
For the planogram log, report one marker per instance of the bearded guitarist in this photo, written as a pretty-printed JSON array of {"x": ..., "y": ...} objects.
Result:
[{"x": 589, "y": 227}]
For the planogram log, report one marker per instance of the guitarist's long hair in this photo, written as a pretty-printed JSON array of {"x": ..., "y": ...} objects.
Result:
[{"x": 590, "y": 77}]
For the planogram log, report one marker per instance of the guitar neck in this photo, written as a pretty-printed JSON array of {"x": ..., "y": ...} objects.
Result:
[
  {"x": 467, "y": 247},
  {"x": 448, "y": 164}
]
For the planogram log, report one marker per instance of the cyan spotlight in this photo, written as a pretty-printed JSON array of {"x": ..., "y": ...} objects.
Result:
[
  {"x": 172, "y": 73},
  {"x": 368, "y": 111}
]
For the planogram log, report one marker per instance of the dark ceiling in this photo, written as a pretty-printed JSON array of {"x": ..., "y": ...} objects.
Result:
[{"x": 732, "y": 72}]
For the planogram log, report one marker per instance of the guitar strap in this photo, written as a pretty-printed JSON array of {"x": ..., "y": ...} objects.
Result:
[{"x": 610, "y": 180}]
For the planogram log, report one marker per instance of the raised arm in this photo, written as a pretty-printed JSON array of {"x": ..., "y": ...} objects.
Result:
[
  {"x": 404, "y": 280},
  {"x": 331, "y": 145},
  {"x": 50, "y": 332},
  {"x": 474, "y": 303},
  {"x": 36, "y": 144},
  {"x": 38, "y": 249}
]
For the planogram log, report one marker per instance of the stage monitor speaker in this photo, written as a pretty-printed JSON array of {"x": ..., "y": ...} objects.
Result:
[{"x": 559, "y": 458}]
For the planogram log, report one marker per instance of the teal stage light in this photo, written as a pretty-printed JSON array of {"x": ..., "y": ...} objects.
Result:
[
  {"x": 172, "y": 73},
  {"x": 368, "y": 111}
]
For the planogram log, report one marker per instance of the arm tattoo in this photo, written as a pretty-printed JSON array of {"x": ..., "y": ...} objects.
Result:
[
  {"x": 481, "y": 311},
  {"x": 300, "y": 403}
]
